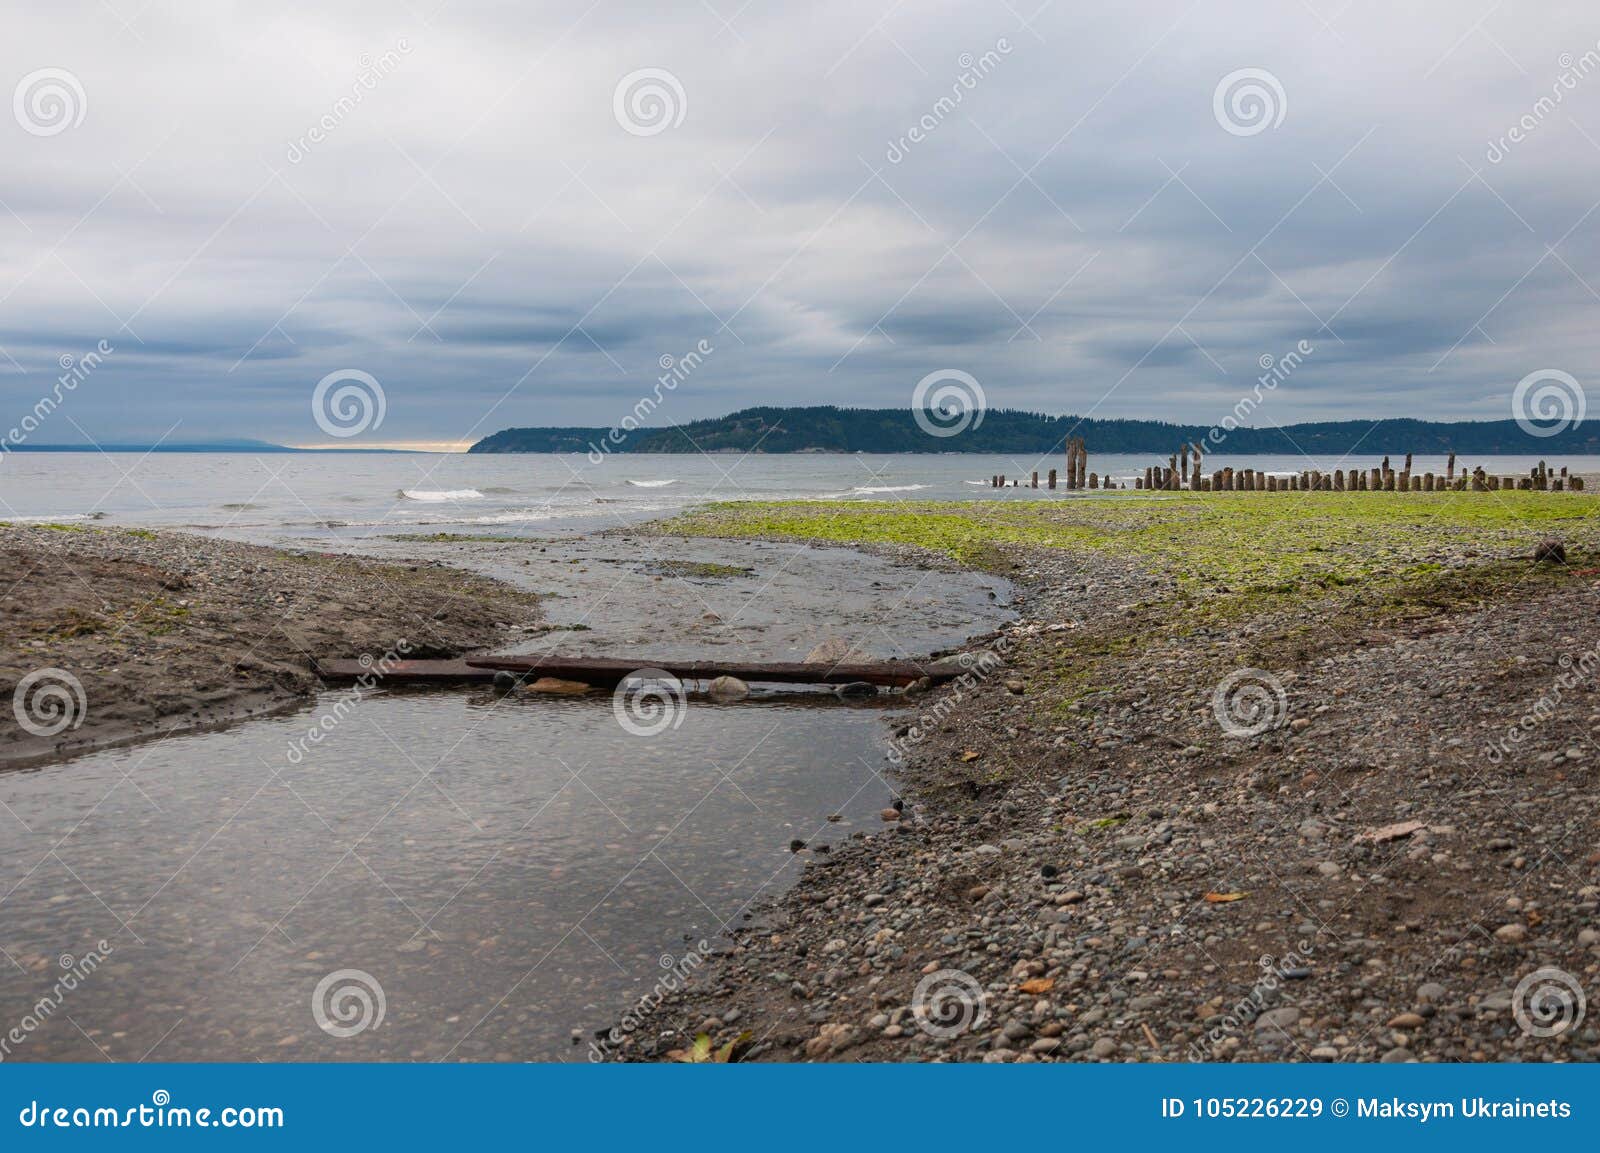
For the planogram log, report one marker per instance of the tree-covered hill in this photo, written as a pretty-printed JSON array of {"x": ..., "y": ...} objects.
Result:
[{"x": 886, "y": 430}]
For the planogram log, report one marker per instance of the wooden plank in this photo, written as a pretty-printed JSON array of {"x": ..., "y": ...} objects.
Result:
[
  {"x": 403, "y": 672},
  {"x": 608, "y": 671}
]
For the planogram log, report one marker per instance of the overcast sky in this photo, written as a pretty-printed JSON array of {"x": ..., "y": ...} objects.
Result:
[{"x": 1091, "y": 227}]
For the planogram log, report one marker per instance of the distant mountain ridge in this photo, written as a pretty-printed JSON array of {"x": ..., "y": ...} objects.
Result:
[
  {"x": 235, "y": 446},
  {"x": 884, "y": 430}
]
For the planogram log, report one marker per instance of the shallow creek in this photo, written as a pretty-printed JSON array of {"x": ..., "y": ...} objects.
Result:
[{"x": 492, "y": 873}]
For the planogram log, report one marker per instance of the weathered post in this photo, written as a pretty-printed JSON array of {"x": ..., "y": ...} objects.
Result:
[{"x": 1052, "y": 479}]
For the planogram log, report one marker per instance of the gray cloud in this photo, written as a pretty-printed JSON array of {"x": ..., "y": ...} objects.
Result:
[{"x": 239, "y": 214}]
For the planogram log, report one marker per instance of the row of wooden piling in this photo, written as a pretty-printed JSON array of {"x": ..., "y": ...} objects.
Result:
[
  {"x": 1185, "y": 470},
  {"x": 1077, "y": 476},
  {"x": 1092, "y": 480},
  {"x": 1179, "y": 474}
]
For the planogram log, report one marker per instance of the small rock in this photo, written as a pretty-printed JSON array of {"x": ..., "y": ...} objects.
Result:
[
  {"x": 727, "y": 689},
  {"x": 1550, "y": 550},
  {"x": 556, "y": 687}
]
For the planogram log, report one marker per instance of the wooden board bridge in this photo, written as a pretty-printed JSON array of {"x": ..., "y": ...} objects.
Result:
[{"x": 608, "y": 672}]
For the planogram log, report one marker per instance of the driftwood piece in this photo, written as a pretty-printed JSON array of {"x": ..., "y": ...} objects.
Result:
[{"x": 607, "y": 672}]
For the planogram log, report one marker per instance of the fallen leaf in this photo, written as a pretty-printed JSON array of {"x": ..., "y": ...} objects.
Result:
[
  {"x": 969, "y": 756},
  {"x": 1038, "y": 985},
  {"x": 1391, "y": 832},
  {"x": 1224, "y": 898}
]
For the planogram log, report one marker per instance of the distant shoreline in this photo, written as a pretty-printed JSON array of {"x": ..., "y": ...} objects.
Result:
[
  {"x": 245, "y": 449},
  {"x": 849, "y": 431}
]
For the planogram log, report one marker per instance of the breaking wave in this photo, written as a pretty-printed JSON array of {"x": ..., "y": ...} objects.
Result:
[{"x": 438, "y": 495}]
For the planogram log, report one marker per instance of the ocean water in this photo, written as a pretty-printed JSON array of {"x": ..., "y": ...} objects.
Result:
[{"x": 278, "y": 496}]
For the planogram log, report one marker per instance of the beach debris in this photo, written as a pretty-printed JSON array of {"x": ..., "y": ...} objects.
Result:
[
  {"x": 1037, "y": 985},
  {"x": 969, "y": 756},
  {"x": 1225, "y": 898},
  {"x": 703, "y": 1053},
  {"x": 1393, "y": 832}
]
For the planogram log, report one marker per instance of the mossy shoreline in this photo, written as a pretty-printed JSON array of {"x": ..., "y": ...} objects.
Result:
[{"x": 1235, "y": 542}]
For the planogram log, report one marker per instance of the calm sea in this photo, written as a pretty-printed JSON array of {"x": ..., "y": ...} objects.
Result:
[{"x": 274, "y": 496}]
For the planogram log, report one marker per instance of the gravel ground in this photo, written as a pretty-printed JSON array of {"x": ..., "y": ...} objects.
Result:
[
  {"x": 129, "y": 634},
  {"x": 1084, "y": 862}
]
